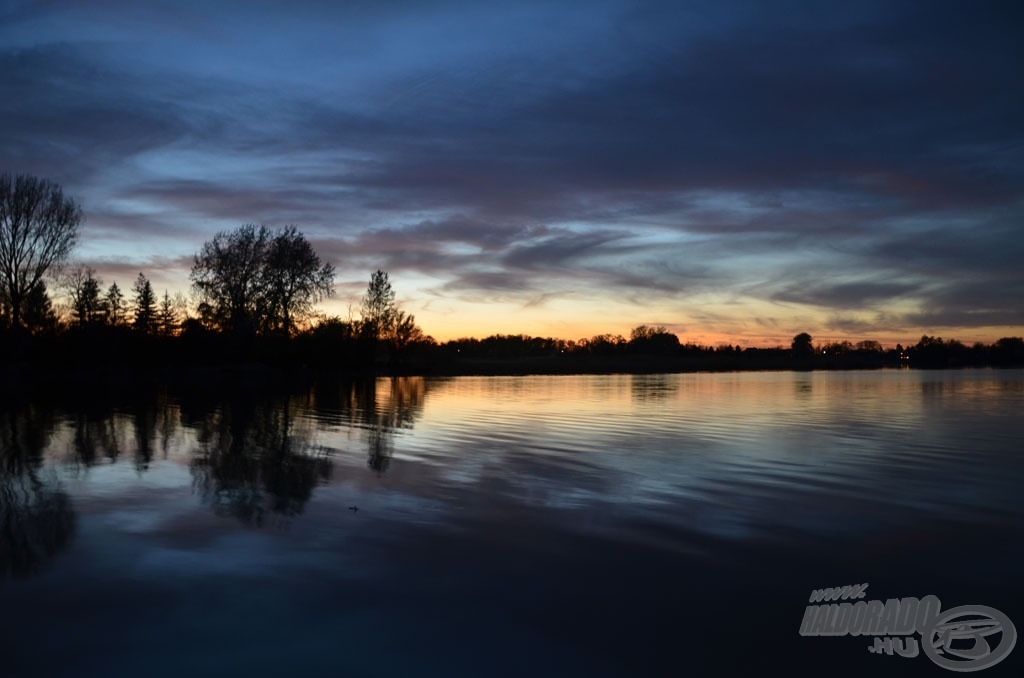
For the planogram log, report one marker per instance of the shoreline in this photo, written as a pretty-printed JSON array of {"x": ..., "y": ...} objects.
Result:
[{"x": 35, "y": 377}]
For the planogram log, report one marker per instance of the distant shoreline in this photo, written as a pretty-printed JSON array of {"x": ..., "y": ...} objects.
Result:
[
  {"x": 120, "y": 354},
  {"x": 34, "y": 380}
]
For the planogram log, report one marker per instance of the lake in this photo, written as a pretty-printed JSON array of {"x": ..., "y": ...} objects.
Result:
[{"x": 503, "y": 526}]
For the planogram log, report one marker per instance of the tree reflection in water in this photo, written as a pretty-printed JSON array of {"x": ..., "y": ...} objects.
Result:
[
  {"x": 36, "y": 518},
  {"x": 103, "y": 428},
  {"x": 255, "y": 458},
  {"x": 254, "y": 454},
  {"x": 379, "y": 407}
]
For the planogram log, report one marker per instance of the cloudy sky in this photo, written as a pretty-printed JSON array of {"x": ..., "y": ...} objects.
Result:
[{"x": 735, "y": 171}]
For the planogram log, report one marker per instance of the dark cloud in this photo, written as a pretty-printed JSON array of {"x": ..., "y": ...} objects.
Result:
[
  {"x": 864, "y": 294},
  {"x": 63, "y": 116},
  {"x": 242, "y": 202},
  {"x": 757, "y": 108},
  {"x": 877, "y": 323},
  {"x": 557, "y": 252},
  {"x": 981, "y": 301},
  {"x": 972, "y": 273},
  {"x": 490, "y": 281},
  {"x": 978, "y": 246}
]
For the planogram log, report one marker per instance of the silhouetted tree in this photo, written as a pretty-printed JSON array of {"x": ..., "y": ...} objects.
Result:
[
  {"x": 837, "y": 348},
  {"x": 294, "y": 279},
  {"x": 645, "y": 332},
  {"x": 644, "y": 339},
  {"x": 166, "y": 316},
  {"x": 604, "y": 344},
  {"x": 405, "y": 331},
  {"x": 113, "y": 303},
  {"x": 934, "y": 352},
  {"x": 38, "y": 227},
  {"x": 145, "y": 304},
  {"x": 84, "y": 289},
  {"x": 181, "y": 307},
  {"x": 332, "y": 342},
  {"x": 37, "y": 309},
  {"x": 801, "y": 346},
  {"x": 1008, "y": 351},
  {"x": 378, "y": 306},
  {"x": 253, "y": 280},
  {"x": 227, "y": 275}
]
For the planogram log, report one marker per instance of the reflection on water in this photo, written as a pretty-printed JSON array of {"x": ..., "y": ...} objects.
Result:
[
  {"x": 528, "y": 515},
  {"x": 653, "y": 386},
  {"x": 36, "y": 519},
  {"x": 379, "y": 408},
  {"x": 250, "y": 452},
  {"x": 255, "y": 457},
  {"x": 736, "y": 455}
]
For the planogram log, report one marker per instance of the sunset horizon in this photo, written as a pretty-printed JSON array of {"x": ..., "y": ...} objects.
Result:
[{"x": 481, "y": 319}]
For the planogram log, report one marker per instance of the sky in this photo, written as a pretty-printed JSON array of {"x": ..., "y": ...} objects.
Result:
[{"x": 737, "y": 172}]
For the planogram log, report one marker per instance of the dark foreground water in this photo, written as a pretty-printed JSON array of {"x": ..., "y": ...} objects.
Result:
[{"x": 525, "y": 526}]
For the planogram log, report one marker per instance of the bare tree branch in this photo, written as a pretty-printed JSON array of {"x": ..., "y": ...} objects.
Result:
[{"x": 38, "y": 229}]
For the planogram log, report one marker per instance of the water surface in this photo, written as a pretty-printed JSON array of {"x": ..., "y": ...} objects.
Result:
[{"x": 570, "y": 525}]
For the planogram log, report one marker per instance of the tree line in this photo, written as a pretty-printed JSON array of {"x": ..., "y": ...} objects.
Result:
[
  {"x": 255, "y": 291},
  {"x": 650, "y": 348},
  {"x": 246, "y": 283},
  {"x": 90, "y": 305}
]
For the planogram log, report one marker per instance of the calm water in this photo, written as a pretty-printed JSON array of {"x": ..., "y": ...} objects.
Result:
[{"x": 582, "y": 525}]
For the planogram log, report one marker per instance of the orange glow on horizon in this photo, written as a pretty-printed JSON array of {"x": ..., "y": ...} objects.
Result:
[{"x": 704, "y": 320}]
